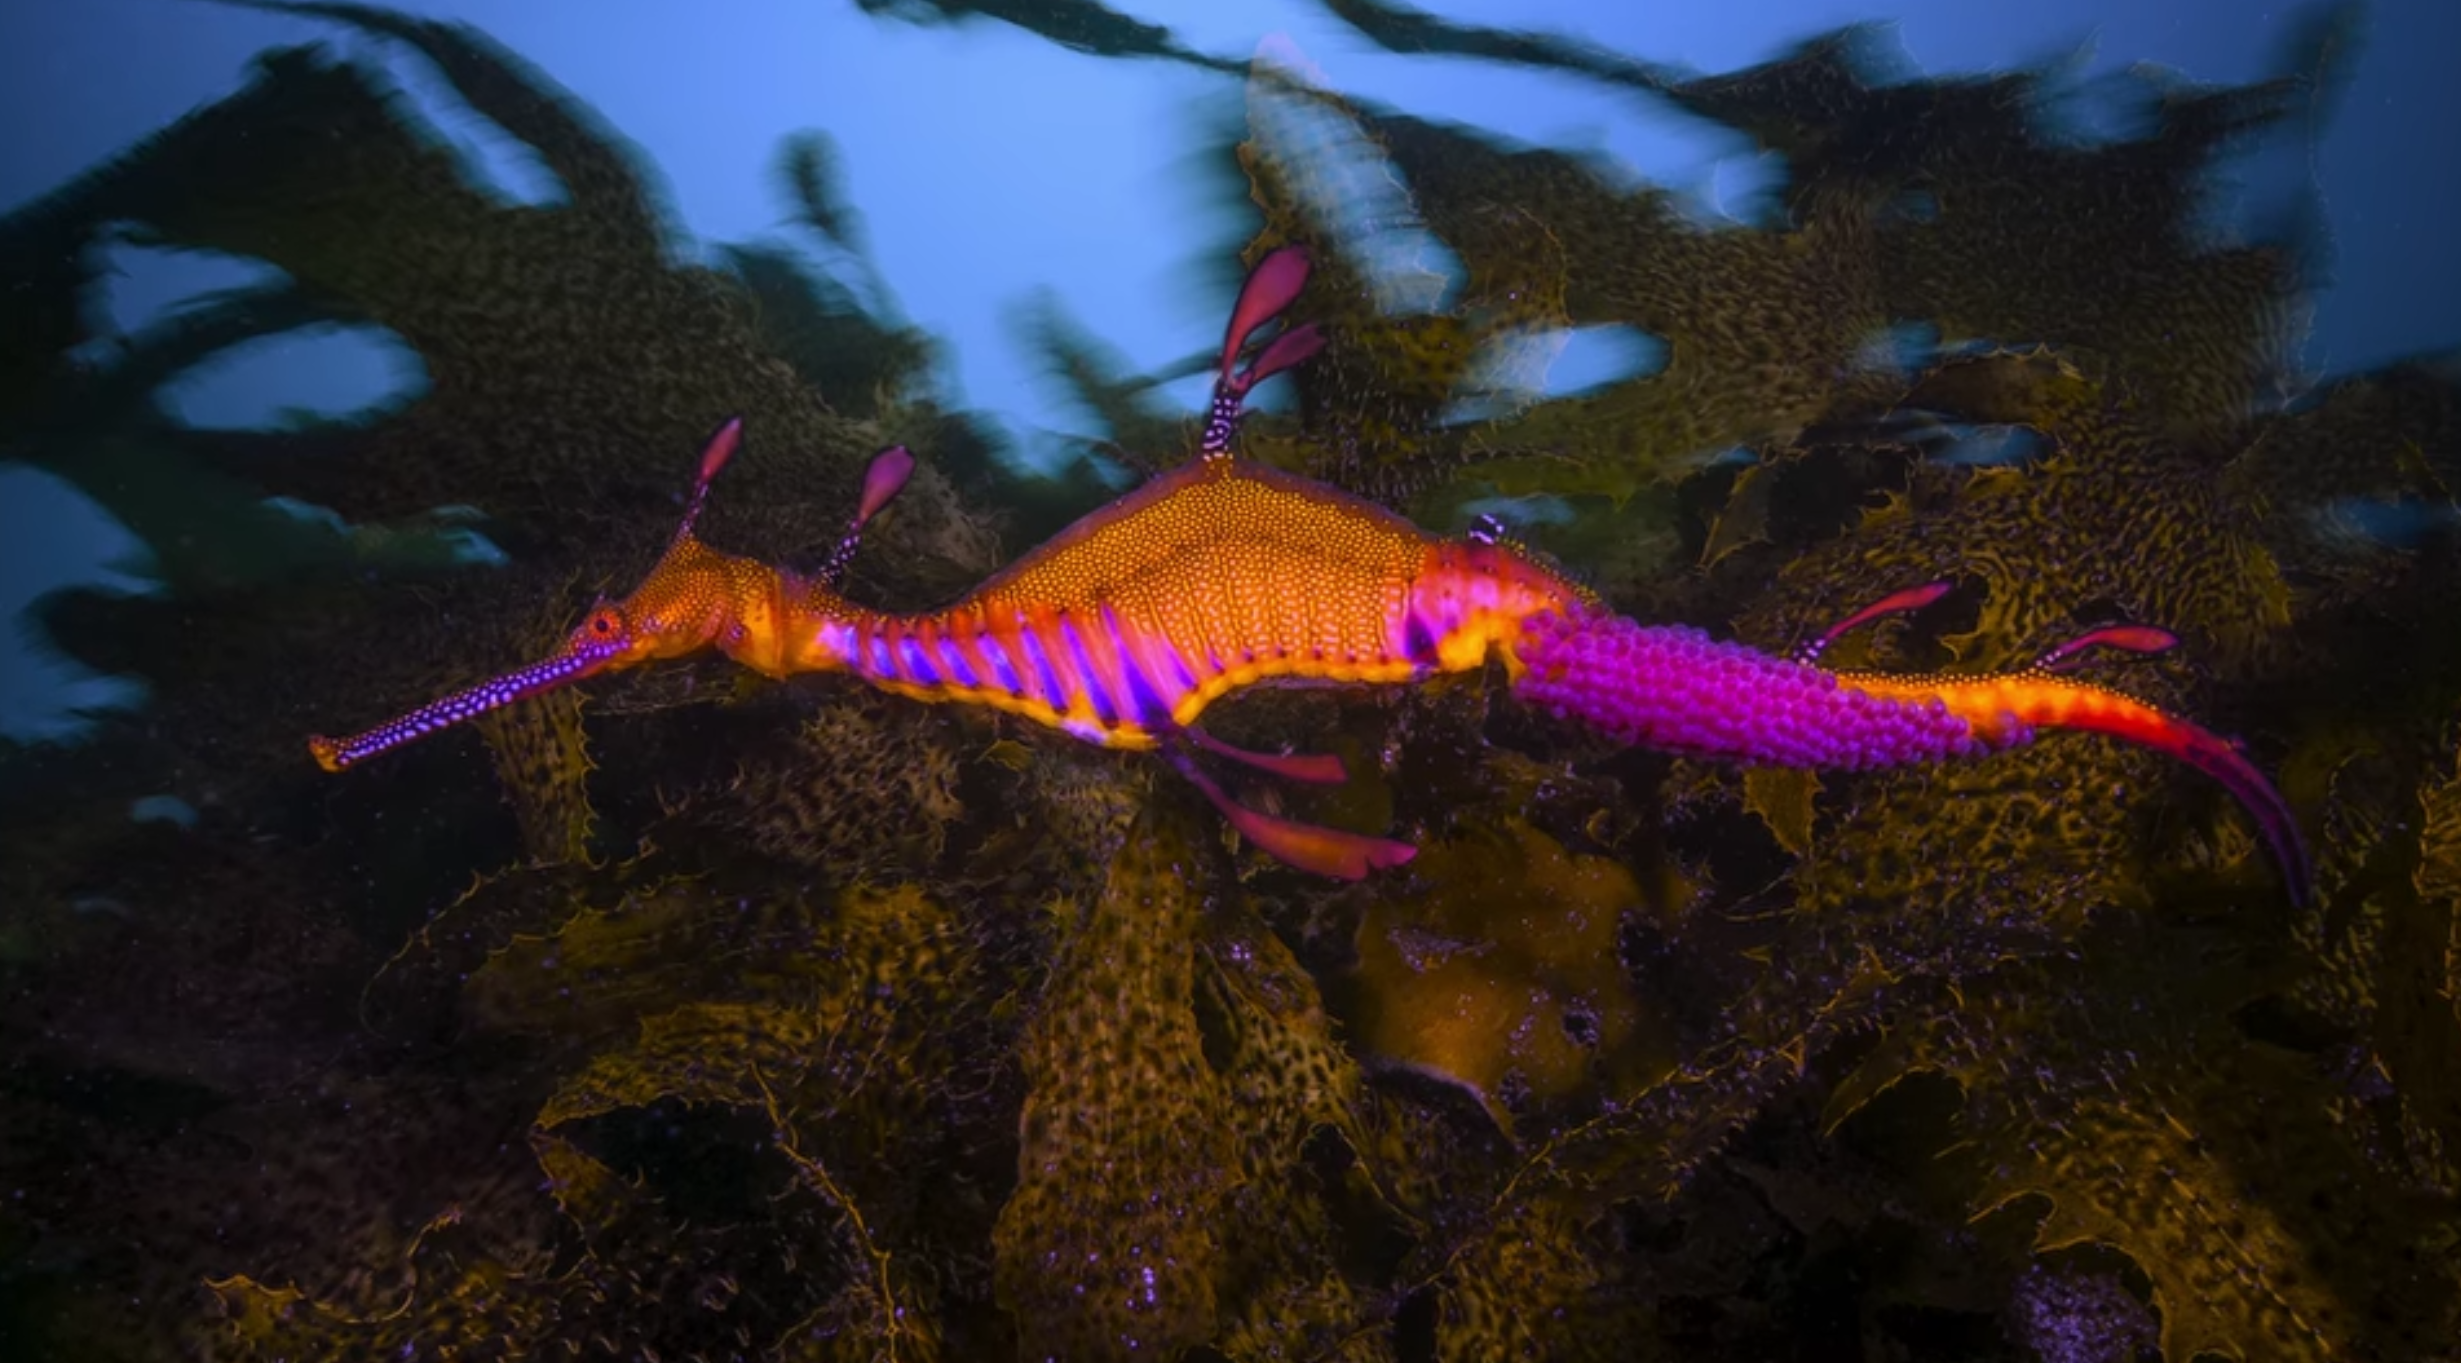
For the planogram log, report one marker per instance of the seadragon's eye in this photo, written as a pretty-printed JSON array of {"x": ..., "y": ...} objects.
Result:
[{"x": 606, "y": 624}]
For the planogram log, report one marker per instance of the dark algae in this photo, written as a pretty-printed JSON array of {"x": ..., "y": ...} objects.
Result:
[{"x": 687, "y": 1014}]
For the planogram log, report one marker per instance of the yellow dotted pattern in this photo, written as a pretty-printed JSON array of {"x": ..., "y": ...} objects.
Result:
[
  {"x": 1997, "y": 704},
  {"x": 697, "y": 597},
  {"x": 1208, "y": 578},
  {"x": 1286, "y": 563}
]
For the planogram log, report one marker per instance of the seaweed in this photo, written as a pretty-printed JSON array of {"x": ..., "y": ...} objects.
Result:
[{"x": 739, "y": 1020}]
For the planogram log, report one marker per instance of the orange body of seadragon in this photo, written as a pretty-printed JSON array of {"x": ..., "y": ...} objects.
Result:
[{"x": 1223, "y": 574}]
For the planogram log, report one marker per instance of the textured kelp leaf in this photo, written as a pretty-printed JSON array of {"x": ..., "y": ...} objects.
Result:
[
  {"x": 867, "y": 786},
  {"x": 862, "y": 362},
  {"x": 1291, "y": 1316},
  {"x": 595, "y": 972},
  {"x": 2417, "y": 1026},
  {"x": 855, "y": 1063},
  {"x": 2116, "y": 513},
  {"x": 542, "y": 757},
  {"x": 1075, "y": 807},
  {"x": 1812, "y": 988},
  {"x": 713, "y": 1053},
  {"x": 1955, "y": 202},
  {"x": 456, "y": 1300},
  {"x": 1535, "y": 1285},
  {"x": 1407, "y": 356},
  {"x": 1285, "y": 1071},
  {"x": 2359, "y": 474},
  {"x": 1403, "y": 29},
  {"x": 814, "y": 174},
  {"x": 1744, "y": 520},
  {"x": 585, "y": 1189},
  {"x": 473, "y": 1306},
  {"x": 664, "y": 1284},
  {"x": 1111, "y": 1245},
  {"x": 1499, "y": 971},
  {"x": 2228, "y": 1275},
  {"x": 2109, "y": 1092},
  {"x": 1758, "y": 326},
  {"x": 193, "y": 497},
  {"x": 823, "y": 995},
  {"x": 1782, "y": 798}
]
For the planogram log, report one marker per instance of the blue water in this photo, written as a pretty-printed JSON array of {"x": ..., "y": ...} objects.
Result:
[{"x": 1079, "y": 185}]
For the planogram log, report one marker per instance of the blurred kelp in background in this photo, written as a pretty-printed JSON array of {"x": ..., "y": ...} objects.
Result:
[{"x": 719, "y": 1019}]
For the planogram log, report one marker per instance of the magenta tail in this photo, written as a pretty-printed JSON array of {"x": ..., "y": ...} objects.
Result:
[{"x": 1678, "y": 690}]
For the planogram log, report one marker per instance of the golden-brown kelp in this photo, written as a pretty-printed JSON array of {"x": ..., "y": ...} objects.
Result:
[{"x": 1958, "y": 1066}]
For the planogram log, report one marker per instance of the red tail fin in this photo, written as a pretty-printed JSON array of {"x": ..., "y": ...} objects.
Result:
[{"x": 2002, "y": 707}]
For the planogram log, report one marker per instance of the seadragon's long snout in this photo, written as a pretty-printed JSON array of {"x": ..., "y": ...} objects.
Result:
[
  {"x": 1677, "y": 690},
  {"x": 576, "y": 662}
]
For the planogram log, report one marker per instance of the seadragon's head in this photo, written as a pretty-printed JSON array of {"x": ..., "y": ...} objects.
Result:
[{"x": 695, "y": 598}]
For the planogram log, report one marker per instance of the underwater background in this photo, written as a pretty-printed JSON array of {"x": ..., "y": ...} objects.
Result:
[{"x": 351, "y": 351}]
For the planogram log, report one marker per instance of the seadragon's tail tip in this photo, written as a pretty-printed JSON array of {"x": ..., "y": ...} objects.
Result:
[{"x": 2227, "y": 763}]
